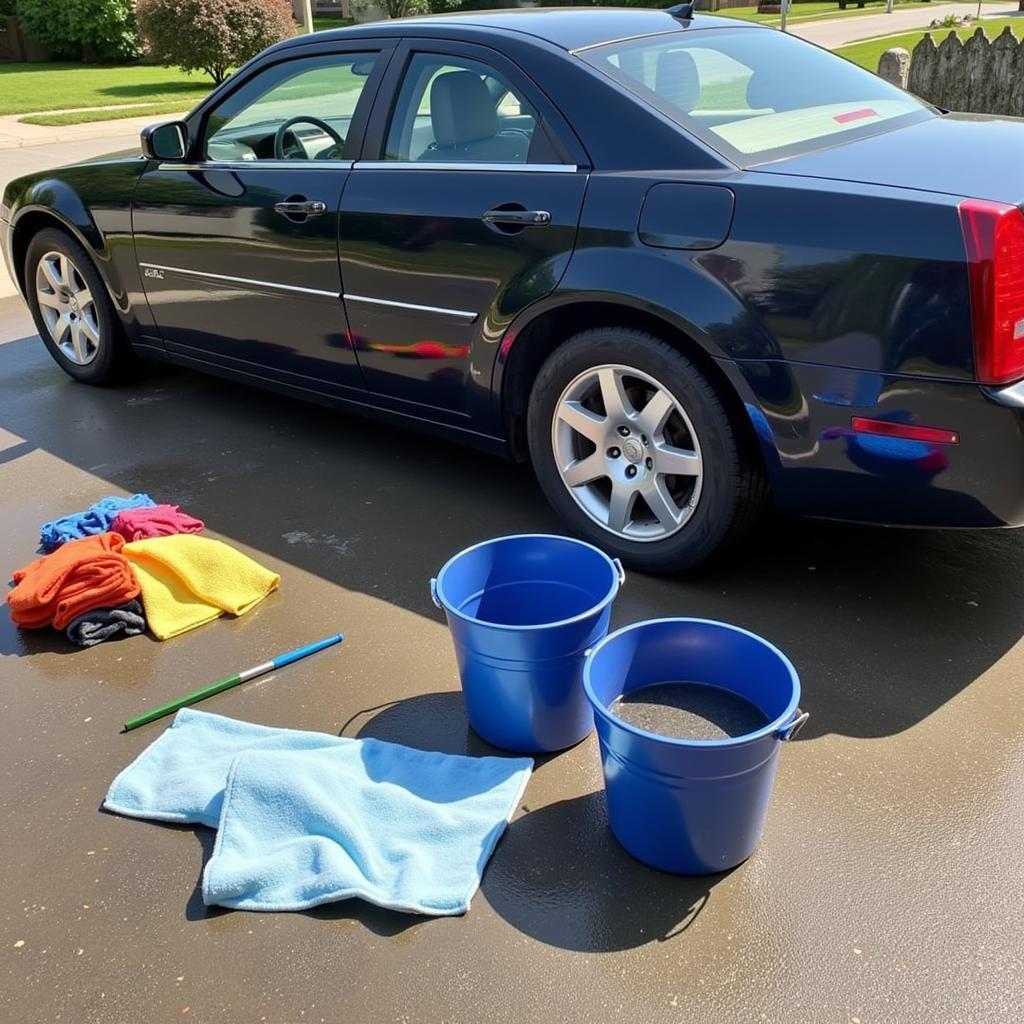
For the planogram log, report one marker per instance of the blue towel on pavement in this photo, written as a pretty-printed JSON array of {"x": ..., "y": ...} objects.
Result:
[
  {"x": 95, "y": 519},
  {"x": 307, "y": 818},
  {"x": 407, "y": 829},
  {"x": 180, "y": 776}
]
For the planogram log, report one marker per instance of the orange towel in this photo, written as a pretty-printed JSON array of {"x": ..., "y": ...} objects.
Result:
[{"x": 79, "y": 576}]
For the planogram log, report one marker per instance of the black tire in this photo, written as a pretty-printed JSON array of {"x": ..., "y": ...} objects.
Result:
[
  {"x": 733, "y": 489},
  {"x": 114, "y": 358}
]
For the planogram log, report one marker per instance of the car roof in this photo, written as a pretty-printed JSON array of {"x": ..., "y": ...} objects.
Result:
[{"x": 570, "y": 28}]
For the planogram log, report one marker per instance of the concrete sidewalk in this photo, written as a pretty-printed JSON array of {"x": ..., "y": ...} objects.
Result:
[
  {"x": 15, "y": 135},
  {"x": 835, "y": 32}
]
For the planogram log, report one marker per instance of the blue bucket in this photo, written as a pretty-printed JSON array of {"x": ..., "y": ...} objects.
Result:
[
  {"x": 693, "y": 807},
  {"x": 522, "y": 612}
]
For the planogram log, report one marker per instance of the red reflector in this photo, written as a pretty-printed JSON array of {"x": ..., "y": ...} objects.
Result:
[
  {"x": 855, "y": 115},
  {"x": 887, "y": 428},
  {"x": 994, "y": 240}
]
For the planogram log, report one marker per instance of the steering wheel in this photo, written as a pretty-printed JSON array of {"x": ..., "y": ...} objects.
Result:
[{"x": 279, "y": 153}]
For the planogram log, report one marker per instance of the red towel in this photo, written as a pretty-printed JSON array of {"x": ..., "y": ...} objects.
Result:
[
  {"x": 158, "y": 521},
  {"x": 76, "y": 578}
]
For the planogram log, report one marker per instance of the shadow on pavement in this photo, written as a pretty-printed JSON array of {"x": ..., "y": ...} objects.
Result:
[
  {"x": 884, "y": 626},
  {"x": 559, "y": 876}
]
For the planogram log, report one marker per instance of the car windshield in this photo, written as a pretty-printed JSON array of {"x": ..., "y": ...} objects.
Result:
[{"x": 755, "y": 95}]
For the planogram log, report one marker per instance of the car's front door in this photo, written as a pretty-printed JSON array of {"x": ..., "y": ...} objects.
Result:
[
  {"x": 238, "y": 247},
  {"x": 465, "y": 213}
]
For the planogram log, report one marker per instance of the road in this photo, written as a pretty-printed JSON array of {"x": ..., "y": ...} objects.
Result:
[
  {"x": 886, "y": 887},
  {"x": 835, "y": 32}
]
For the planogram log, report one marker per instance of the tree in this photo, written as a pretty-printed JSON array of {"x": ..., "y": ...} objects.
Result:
[
  {"x": 212, "y": 35},
  {"x": 407, "y": 8},
  {"x": 93, "y": 29}
]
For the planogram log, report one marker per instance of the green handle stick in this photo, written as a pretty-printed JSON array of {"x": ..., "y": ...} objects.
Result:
[{"x": 225, "y": 684}]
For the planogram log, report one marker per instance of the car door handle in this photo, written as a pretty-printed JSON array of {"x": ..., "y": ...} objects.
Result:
[
  {"x": 516, "y": 216},
  {"x": 300, "y": 208}
]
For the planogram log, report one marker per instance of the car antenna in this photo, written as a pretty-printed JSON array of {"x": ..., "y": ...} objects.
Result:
[{"x": 682, "y": 11}]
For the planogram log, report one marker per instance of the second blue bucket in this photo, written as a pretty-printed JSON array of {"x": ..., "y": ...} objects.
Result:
[
  {"x": 694, "y": 807},
  {"x": 522, "y": 611}
]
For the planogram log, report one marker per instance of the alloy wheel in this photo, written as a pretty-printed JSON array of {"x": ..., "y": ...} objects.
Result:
[
  {"x": 68, "y": 308},
  {"x": 627, "y": 452}
]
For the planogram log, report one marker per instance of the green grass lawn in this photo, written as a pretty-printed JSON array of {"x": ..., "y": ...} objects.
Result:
[
  {"x": 331, "y": 21},
  {"x": 868, "y": 52},
  {"x": 32, "y": 88},
  {"x": 35, "y": 87}
]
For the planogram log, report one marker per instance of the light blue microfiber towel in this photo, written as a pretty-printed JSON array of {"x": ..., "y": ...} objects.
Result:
[
  {"x": 96, "y": 518},
  {"x": 307, "y": 818},
  {"x": 406, "y": 829},
  {"x": 180, "y": 776}
]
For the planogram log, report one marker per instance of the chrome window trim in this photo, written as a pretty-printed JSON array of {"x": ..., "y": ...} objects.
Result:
[
  {"x": 255, "y": 165},
  {"x": 462, "y": 314},
  {"x": 630, "y": 39},
  {"x": 241, "y": 280},
  {"x": 456, "y": 165}
]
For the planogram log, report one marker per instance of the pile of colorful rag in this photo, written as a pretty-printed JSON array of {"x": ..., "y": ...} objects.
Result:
[{"x": 125, "y": 563}]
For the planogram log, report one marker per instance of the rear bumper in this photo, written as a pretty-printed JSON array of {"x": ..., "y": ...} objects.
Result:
[{"x": 820, "y": 466}]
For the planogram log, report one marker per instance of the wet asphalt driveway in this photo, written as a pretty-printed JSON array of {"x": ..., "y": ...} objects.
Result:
[{"x": 888, "y": 885}]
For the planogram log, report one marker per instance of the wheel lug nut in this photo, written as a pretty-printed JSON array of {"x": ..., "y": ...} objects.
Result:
[
  {"x": 650, "y": 463},
  {"x": 613, "y": 453},
  {"x": 643, "y": 440},
  {"x": 631, "y": 471},
  {"x": 624, "y": 431}
]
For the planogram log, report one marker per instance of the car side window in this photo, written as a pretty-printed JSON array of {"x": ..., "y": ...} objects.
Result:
[
  {"x": 457, "y": 109},
  {"x": 297, "y": 110}
]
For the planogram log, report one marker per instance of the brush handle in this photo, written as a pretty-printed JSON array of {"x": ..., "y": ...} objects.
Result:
[
  {"x": 302, "y": 652},
  {"x": 225, "y": 684},
  {"x": 183, "y": 702}
]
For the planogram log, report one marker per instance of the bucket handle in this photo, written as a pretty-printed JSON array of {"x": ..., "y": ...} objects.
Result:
[
  {"x": 433, "y": 593},
  {"x": 619, "y": 570},
  {"x": 787, "y": 732}
]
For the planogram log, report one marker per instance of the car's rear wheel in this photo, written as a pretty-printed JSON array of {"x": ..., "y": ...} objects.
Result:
[
  {"x": 635, "y": 449},
  {"x": 72, "y": 310}
]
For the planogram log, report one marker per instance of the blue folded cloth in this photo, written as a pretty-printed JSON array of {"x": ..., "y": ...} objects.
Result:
[
  {"x": 180, "y": 776},
  {"x": 95, "y": 519},
  {"x": 308, "y": 818}
]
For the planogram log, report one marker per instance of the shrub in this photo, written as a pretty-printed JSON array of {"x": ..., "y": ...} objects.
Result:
[
  {"x": 408, "y": 8},
  {"x": 212, "y": 35},
  {"x": 97, "y": 29}
]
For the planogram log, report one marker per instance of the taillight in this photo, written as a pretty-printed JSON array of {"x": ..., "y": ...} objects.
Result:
[{"x": 994, "y": 239}]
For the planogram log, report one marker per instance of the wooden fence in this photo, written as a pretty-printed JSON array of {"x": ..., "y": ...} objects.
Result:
[{"x": 981, "y": 75}]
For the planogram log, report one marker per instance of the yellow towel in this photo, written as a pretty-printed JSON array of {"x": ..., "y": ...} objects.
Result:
[{"x": 188, "y": 581}]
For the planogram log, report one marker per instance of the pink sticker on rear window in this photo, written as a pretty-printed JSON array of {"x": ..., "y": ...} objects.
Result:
[{"x": 855, "y": 115}]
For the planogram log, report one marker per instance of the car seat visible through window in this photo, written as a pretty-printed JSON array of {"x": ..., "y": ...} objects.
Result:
[{"x": 465, "y": 123}]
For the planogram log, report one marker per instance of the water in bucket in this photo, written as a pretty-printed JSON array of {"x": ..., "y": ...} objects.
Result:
[
  {"x": 691, "y": 715},
  {"x": 689, "y": 711}
]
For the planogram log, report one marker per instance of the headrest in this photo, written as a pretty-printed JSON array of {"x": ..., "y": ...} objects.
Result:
[
  {"x": 765, "y": 92},
  {"x": 461, "y": 109},
  {"x": 676, "y": 79}
]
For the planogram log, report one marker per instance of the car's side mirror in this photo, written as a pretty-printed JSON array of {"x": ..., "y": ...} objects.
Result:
[{"x": 165, "y": 141}]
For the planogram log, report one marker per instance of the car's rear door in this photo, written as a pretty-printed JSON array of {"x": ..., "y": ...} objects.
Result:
[
  {"x": 238, "y": 247},
  {"x": 461, "y": 212}
]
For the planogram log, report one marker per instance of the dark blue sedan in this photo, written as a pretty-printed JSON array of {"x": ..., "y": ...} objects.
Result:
[{"x": 680, "y": 263}]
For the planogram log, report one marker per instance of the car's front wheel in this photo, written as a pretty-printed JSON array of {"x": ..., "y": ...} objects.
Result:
[
  {"x": 635, "y": 449},
  {"x": 72, "y": 310}
]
